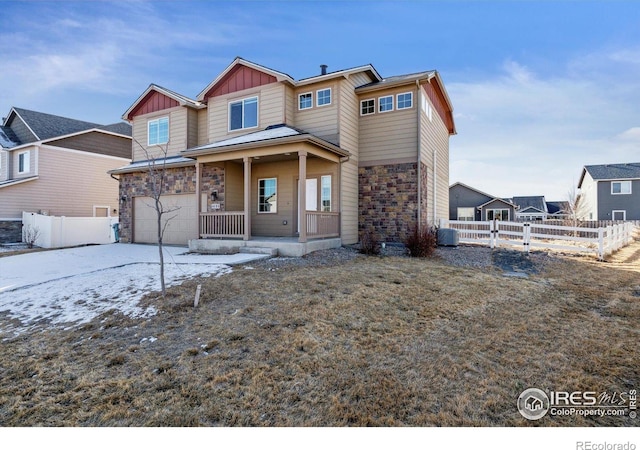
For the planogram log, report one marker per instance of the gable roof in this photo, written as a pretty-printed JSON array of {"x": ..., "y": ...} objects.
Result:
[
  {"x": 558, "y": 207},
  {"x": 535, "y": 201},
  {"x": 122, "y": 128},
  {"x": 180, "y": 100},
  {"x": 373, "y": 73},
  {"x": 279, "y": 76},
  {"x": 46, "y": 126},
  {"x": 622, "y": 171},
  {"x": 458, "y": 183},
  {"x": 506, "y": 201}
]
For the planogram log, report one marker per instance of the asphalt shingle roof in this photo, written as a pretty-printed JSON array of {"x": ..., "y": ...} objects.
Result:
[
  {"x": 8, "y": 138},
  {"x": 120, "y": 128},
  {"x": 536, "y": 202},
  {"x": 47, "y": 126},
  {"x": 614, "y": 171}
]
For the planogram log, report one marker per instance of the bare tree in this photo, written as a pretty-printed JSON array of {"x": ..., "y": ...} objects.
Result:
[
  {"x": 156, "y": 186},
  {"x": 576, "y": 205},
  {"x": 30, "y": 235}
]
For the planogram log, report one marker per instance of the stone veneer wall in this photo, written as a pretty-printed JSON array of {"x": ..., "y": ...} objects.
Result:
[
  {"x": 388, "y": 200},
  {"x": 10, "y": 231},
  {"x": 212, "y": 179},
  {"x": 180, "y": 180}
]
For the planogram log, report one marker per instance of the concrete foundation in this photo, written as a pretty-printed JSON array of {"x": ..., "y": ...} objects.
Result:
[{"x": 282, "y": 246}]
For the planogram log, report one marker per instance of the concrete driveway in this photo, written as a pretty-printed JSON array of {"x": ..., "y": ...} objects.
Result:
[{"x": 40, "y": 267}]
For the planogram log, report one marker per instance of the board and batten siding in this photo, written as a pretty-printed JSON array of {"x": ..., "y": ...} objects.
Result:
[
  {"x": 321, "y": 121},
  {"x": 389, "y": 136},
  {"x": 178, "y": 134},
  {"x": 434, "y": 135},
  {"x": 270, "y": 110},
  {"x": 70, "y": 183}
]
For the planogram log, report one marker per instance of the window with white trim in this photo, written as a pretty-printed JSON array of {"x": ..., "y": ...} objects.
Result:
[
  {"x": 305, "y": 101},
  {"x": 619, "y": 214},
  {"x": 367, "y": 106},
  {"x": 325, "y": 193},
  {"x": 404, "y": 100},
  {"x": 267, "y": 195},
  {"x": 498, "y": 214},
  {"x": 621, "y": 187},
  {"x": 385, "y": 104},
  {"x": 158, "y": 131},
  {"x": 243, "y": 114},
  {"x": 24, "y": 162},
  {"x": 467, "y": 214},
  {"x": 323, "y": 97}
]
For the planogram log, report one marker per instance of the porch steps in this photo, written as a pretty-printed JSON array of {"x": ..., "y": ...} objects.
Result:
[{"x": 259, "y": 250}]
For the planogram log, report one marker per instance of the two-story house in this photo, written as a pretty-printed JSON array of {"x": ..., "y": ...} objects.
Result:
[
  {"x": 259, "y": 155},
  {"x": 609, "y": 192},
  {"x": 58, "y": 166}
]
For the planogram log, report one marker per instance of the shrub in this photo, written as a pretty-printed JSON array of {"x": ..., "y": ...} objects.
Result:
[
  {"x": 422, "y": 241},
  {"x": 370, "y": 243}
]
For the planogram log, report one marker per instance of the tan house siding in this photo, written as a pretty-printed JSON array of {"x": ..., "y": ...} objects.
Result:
[
  {"x": 97, "y": 142},
  {"x": 349, "y": 211},
  {"x": 321, "y": 121},
  {"x": 4, "y": 165},
  {"x": 203, "y": 127},
  {"x": 234, "y": 188},
  {"x": 270, "y": 110},
  {"x": 286, "y": 172},
  {"x": 70, "y": 183},
  {"x": 434, "y": 136},
  {"x": 388, "y": 136},
  {"x": 290, "y": 106},
  {"x": 192, "y": 128},
  {"x": 178, "y": 133}
]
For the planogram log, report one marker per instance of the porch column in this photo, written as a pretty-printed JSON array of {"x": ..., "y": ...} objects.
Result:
[
  {"x": 247, "y": 198},
  {"x": 302, "y": 195},
  {"x": 198, "y": 201}
]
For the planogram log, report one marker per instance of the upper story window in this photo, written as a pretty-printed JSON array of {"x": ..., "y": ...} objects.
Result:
[
  {"x": 385, "y": 103},
  {"x": 323, "y": 97},
  {"x": 243, "y": 114},
  {"x": 305, "y": 101},
  {"x": 23, "y": 162},
  {"x": 405, "y": 100},
  {"x": 621, "y": 187},
  {"x": 158, "y": 131},
  {"x": 367, "y": 107}
]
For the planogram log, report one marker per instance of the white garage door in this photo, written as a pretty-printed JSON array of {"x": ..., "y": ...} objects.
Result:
[{"x": 182, "y": 221}]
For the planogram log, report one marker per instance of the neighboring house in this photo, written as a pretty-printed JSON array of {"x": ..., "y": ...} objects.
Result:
[
  {"x": 372, "y": 154},
  {"x": 467, "y": 203},
  {"x": 58, "y": 166},
  {"x": 610, "y": 192}
]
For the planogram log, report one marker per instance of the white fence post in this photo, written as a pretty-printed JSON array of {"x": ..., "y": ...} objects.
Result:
[
  {"x": 526, "y": 237},
  {"x": 600, "y": 243}
]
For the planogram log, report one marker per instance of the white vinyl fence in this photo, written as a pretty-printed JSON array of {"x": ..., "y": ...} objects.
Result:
[
  {"x": 601, "y": 241},
  {"x": 58, "y": 232}
]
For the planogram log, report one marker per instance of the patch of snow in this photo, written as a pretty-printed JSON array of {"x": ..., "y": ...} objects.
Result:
[{"x": 83, "y": 297}]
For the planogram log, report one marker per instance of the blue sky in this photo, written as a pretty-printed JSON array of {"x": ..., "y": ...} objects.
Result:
[{"x": 539, "y": 88}]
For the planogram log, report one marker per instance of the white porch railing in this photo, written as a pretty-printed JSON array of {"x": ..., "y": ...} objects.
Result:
[
  {"x": 601, "y": 241},
  {"x": 322, "y": 224},
  {"x": 222, "y": 224}
]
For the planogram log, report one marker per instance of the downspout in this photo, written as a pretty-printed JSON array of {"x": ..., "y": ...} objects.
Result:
[{"x": 419, "y": 171}]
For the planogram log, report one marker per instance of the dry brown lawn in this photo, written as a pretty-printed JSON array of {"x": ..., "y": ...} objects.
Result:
[{"x": 382, "y": 341}]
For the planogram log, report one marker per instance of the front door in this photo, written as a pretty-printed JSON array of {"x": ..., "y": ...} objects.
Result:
[{"x": 312, "y": 199}]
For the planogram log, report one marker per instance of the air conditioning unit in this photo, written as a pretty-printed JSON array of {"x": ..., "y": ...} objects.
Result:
[{"x": 448, "y": 237}]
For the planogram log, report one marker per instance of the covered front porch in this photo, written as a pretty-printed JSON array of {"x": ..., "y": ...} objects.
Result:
[{"x": 269, "y": 189}]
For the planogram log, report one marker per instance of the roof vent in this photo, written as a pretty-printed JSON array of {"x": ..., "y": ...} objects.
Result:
[{"x": 323, "y": 69}]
